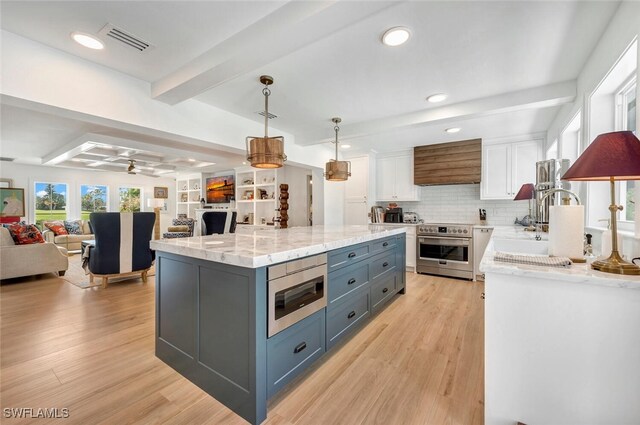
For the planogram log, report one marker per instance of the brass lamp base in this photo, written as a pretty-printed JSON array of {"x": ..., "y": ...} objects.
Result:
[{"x": 615, "y": 264}]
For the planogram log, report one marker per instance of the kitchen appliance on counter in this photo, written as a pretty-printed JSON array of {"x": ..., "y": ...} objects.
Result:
[
  {"x": 410, "y": 217},
  {"x": 297, "y": 289},
  {"x": 445, "y": 250},
  {"x": 548, "y": 175},
  {"x": 393, "y": 215}
]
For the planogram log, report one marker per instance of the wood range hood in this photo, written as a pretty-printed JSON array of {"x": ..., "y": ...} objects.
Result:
[{"x": 448, "y": 163}]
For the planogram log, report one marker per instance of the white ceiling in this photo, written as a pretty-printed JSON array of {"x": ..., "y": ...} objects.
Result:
[{"x": 503, "y": 64}]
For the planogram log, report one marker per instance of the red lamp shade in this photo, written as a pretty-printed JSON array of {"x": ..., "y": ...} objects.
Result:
[
  {"x": 526, "y": 192},
  {"x": 611, "y": 155}
]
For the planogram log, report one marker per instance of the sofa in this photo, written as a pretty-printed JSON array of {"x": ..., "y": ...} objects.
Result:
[
  {"x": 31, "y": 259},
  {"x": 69, "y": 242}
]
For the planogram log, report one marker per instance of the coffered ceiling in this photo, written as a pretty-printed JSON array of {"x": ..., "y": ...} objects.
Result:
[{"x": 507, "y": 67}]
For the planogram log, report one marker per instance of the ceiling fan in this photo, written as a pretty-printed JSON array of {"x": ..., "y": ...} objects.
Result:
[{"x": 132, "y": 166}]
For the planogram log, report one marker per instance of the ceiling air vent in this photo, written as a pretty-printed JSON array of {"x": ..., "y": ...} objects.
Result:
[
  {"x": 271, "y": 116},
  {"x": 4, "y": 158},
  {"x": 125, "y": 37}
]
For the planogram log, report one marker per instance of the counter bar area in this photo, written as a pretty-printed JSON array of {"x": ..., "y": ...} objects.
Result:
[{"x": 242, "y": 314}]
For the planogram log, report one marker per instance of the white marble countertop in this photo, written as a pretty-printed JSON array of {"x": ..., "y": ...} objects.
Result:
[
  {"x": 577, "y": 273},
  {"x": 396, "y": 224},
  {"x": 259, "y": 248}
]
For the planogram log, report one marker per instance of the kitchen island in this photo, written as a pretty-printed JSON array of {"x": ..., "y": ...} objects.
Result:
[
  {"x": 562, "y": 345},
  {"x": 214, "y": 302}
]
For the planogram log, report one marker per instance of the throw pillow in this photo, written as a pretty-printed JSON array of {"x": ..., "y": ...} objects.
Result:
[
  {"x": 57, "y": 227},
  {"x": 24, "y": 234},
  {"x": 74, "y": 227}
]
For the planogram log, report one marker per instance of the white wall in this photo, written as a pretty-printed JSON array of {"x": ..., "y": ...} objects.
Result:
[
  {"x": 296, "y": 178},
  {"x": 25, "y": 176},
  {"x": 460, "y": 204}
]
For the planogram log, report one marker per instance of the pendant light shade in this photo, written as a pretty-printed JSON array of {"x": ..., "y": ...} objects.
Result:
[
  {"x": 266, "y": 152},
  {"x": 337, "y": 171}
]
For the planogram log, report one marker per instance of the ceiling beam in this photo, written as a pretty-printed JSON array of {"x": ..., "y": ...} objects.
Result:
[
  {"x": 536, "y": 97},
  {"x": 289, "y": 28}
]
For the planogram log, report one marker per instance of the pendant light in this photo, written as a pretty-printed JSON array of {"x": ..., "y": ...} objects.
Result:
[
  {"x": 266, "y": 152},
  {"x": 337, "y": 171}
]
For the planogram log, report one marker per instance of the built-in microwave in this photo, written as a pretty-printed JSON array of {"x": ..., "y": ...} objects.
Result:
[{"x": 296, "y": 290}]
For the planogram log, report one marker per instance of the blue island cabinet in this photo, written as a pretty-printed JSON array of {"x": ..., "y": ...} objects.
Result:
[{"x": 211, "y": 320}]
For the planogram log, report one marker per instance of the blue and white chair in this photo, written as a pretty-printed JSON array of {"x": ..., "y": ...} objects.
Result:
[
  {"x": 219, "y": 222},
  {"x": 122, "y": 245}
]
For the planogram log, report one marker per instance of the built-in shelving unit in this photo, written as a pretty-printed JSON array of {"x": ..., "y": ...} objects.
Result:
[
  {"x": 188, "y": 194},
  {"x": 256, "y": 195}
]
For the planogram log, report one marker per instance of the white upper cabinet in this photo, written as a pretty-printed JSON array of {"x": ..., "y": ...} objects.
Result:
[
  {"x": 394, "y": 180},
  {"x": 507, "y": 166}
]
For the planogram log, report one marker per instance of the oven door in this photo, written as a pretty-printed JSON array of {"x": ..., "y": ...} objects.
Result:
[
  {"x": 445, "y": 251},
  {"x": 296, "y": 296}
]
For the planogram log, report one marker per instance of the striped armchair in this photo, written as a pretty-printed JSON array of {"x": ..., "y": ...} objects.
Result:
[{"x": 122, "y": 245}]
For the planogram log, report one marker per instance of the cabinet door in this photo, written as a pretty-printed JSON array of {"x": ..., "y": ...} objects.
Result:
[
  {"x": 356, "y": 212},
  {"x": 496, "y": 172},
  {"x": 524, "y": 156},
  {"x": 386, "y": 179},
  {"x": 411, "y": 249},
  {"x": 357, "y": 186},
  {"x": 405, "y": 189}
]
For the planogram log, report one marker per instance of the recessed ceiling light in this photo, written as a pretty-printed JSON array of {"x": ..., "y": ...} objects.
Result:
[
  {"x": 87, "y": 40},
  {"x": 244, "y": 162},
  {"x": 191, "y": 160},
  {"x": 345, "y": 146},
  {"x": 435, "y": 98},
  {"x": 396, "y": 36},
  {"x": 453, "y": 129}
]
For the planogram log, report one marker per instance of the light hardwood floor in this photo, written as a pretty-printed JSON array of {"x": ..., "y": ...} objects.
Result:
[{"x": 92, "y": 351}]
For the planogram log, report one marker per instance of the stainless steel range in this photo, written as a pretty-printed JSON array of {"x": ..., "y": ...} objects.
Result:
[{"x": 445, "y": 250}]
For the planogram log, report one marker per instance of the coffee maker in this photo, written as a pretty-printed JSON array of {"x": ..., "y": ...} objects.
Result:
[{"x": 393, "y": 215}]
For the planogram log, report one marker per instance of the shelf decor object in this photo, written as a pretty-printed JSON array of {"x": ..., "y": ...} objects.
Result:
[
  {"x": 337, "y": 171},
  {"x": 527, "y": 192},
  {"x": 610, "y": 157},
  {"x": 266, "y": 152},
  {"x": 284, "y": 206},
  {"x": 157, "y": 204}
]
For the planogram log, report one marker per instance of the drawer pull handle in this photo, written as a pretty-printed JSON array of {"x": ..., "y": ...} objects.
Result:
[
  {"x": 300, "y": 347},
  {"x": 352, "y": 254},
  {"x": 385, "y": 244},
  {"x": 351, "y": 281},
  {"x": 385, "y": 290},
  {"x": 350, "y": 315},
  {"x": 385, "y": 264}
]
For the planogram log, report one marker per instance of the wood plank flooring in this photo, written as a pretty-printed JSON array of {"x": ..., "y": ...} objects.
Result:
[{"x": 92, "y": 351}]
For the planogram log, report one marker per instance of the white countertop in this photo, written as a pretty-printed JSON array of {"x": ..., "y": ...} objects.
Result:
[
  {"x": 578, "y": 272},
  {"x": 260, "y": 248},
  {"x": 396, "y": 224}
]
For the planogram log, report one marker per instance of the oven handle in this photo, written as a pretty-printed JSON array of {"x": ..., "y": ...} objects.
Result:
[
  {"x": 439, "y": 261},
  {"x": 445, "y": 241}
]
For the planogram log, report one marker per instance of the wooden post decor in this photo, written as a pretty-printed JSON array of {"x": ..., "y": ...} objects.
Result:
[{"x": 284, "y": 205}]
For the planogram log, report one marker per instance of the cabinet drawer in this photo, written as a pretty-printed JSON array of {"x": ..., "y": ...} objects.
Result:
[
  {"x": 382, "y": 291},
  {"x": 347, "y": 256},
  {"x": 343, "y": 319},
  {"x": 383, "y": 244},
  {"x": 346, "y": 280},
  {"x": 383, "y": 264},
  {"x": 291, "y": 351}
]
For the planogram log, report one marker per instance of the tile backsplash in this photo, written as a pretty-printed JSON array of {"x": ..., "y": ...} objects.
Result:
[{"x": 460, "y": 204}]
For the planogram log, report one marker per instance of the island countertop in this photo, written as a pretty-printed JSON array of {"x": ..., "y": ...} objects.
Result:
[
  {"x": 577, "y": 273},
  {"x": 253, "y": 249}
]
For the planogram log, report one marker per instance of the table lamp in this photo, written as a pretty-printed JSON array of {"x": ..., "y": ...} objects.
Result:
[
  {"x": 610, "y": 157},
  {"x": 527, "y": 191},
  {"x": 157, "y": 205}
]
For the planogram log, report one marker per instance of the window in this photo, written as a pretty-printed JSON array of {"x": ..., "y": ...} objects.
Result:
[
  {"x": 627, "y": 118},
  {"x": 92, "y": 199},
  {"x": 130, "y": 198},
  {"x": 50, "y": 202}
]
